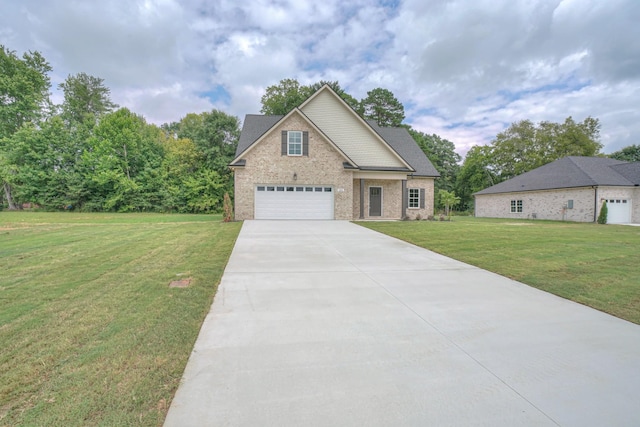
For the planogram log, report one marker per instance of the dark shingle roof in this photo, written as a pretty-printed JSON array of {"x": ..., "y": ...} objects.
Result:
[
  {"x": 631, "y": 171},
  {"x": 399, "y": 139},
  {"x": 254, "y": 126},
  {"x": 568, "y": 172}
]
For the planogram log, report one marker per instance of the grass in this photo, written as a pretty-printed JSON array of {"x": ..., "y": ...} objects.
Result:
[
  {"x": 591, "y": 264},
  {"x": 90, "y": 332}
]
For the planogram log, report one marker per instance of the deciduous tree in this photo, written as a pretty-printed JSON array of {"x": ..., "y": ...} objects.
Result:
[
  {"x": 627, "y": 154},
  {"x": 24, "y": 96},
  {"x": 86, "y": 98},
  {"x": 382, "y": 106}
]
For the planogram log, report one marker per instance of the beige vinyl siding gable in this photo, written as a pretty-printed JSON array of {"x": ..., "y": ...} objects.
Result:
[{"x": 353, "y": 136}]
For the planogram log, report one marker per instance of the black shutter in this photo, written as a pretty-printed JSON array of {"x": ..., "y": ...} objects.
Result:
[
  {"x": 283, "y": 150},
  {"x": 305, "y": 143},
  {"x": 422, "y": 198}
]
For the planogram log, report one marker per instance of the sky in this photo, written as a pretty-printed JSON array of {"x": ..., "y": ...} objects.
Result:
[{"x": 463, "y": 69}]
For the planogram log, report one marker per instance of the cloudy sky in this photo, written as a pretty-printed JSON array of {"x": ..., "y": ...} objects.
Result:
[{"x": 463, "y": 69}]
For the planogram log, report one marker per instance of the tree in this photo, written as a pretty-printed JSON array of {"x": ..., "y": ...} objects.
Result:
[
  {"x": 24, "y": 96},
  {"x": 123, "y": 163},
  {"x": 448, "y": 199},
  {"x": 85, "y": 98},
  {"x": 602, "y": 216},
  {"x": 627, "y": 154},
  {"x": 525, "y": 146},
  {"x": 280, "y": 99},
  {"x": 382, "y": 106},
  {"x": 475, "y": 174},
  {"x": 442, "y": 154},
  {"x": 43, "y": 165}
]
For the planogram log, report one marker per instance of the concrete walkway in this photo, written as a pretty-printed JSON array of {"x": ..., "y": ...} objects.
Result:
[{"x": 331, "y": 324}]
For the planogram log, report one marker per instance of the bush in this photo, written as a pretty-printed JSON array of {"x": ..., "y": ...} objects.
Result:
[
  {"x": 227, "y": 207},
  {"x": 602, "y": 217}
]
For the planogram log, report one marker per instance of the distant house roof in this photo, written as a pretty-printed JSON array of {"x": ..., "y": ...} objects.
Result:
[
  {"x": 571, "y": 172},
  {"x": 399, "y": 139}
]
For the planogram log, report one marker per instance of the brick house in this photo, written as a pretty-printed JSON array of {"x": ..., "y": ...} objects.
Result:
[
  {"x": 569, "y": 189},
  {"x": 323, "y": 161}
]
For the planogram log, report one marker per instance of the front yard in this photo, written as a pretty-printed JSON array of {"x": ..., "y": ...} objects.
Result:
[
  {"x": 90, "y": 331},
  {"x": 595, "y": 265}
]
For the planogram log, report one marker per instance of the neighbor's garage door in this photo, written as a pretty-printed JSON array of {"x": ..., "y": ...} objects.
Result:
[
  {"x": 618, "y": 211},
  {"x": 293, "y": 202}
]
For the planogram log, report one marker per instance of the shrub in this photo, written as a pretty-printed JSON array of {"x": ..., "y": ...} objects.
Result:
[
  {"x": 602, "y": 217},
  {"x": 227, "y": 208}
]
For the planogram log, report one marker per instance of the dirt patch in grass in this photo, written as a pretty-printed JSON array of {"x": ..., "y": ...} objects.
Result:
[{"x": 182, "y": 283}]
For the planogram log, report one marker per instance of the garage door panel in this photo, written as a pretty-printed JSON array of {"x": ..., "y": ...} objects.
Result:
[
  {"x": 618, "y": 211},
  {"x": 305, "y": 203}
]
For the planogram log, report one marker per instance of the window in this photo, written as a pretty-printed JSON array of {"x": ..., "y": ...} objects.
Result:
[
  {"x": 414, "y": 198},
  {"x": 260, "y": 188},
  {"x": 294, "y": 143},
  {"x": 516, "y": 206}
]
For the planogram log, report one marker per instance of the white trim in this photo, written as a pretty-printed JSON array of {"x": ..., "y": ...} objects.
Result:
[
  {"x": 289, "y": 143},
  {"x": 409, "y": 198},
  {"x": 376, "y": 175}
]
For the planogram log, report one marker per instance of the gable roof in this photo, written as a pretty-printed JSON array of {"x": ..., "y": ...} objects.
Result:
[
  {"x": 350, "y": 132},
  {"x": 571, "y": 172},
  {"x": 254, "y": 126},
  {"x": 257, "y": 127},
  {"x": 398, "y": 141}
]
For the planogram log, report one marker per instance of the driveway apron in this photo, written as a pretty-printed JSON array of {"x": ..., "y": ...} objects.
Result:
[{"x": 326, "y": 323}]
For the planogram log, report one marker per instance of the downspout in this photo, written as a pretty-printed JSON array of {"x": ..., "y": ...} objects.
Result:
[
  {"x": 404, "y": 199},
  {"x": 595, "y": 204},
  {"x": 361, "y": 198}
]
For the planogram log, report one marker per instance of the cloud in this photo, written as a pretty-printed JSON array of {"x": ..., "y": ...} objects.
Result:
[{"x": 463, "y": 70}]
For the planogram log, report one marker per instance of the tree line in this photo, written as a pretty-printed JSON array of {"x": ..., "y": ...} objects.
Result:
[{"x": 88, "y": 154}]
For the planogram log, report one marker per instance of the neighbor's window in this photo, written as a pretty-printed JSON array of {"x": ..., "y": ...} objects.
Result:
[
  {"x": 294, "y": 143},
  {"x": 516, "y": 206},
  {"x": 414, "y": 198}
]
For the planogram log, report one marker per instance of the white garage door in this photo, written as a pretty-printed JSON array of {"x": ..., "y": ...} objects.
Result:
[
  {"x": 618, "y": 211},
  {"x": 293, "y": 202}
]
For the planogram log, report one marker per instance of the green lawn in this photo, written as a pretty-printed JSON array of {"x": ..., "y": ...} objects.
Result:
[
  {"x": 90, "y": 332},
  {"x": 592, "y": 264}
]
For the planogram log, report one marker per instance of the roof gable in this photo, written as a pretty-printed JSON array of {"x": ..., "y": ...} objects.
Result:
[
  {"x": 399, "y": 150},
  {"x": 349, "y": 131},
  {"x": 567, "y": 172},
  {"x": 257, "y": 127}
]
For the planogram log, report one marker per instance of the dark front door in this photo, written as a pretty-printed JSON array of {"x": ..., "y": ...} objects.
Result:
[{"x": 375, "y": 201}]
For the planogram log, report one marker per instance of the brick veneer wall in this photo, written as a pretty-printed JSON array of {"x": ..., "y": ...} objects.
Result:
[
  {"x": 551, "y": 204},
  {"x": 392, "y": 198},
  {"x": 428, "y": 185},
  {"x": 266, "y": 165}
]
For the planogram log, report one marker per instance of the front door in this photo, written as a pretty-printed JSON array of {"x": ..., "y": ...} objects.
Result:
[{"x": 375, "y": 201}]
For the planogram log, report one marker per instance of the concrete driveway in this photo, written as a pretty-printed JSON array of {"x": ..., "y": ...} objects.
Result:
[{"x": 331, "y": 324}]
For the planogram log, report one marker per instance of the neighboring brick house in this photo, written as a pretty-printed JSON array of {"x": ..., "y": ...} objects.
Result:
[
  {"x": 323, "y": 161},
  {"x": 569, "y": 189}
]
